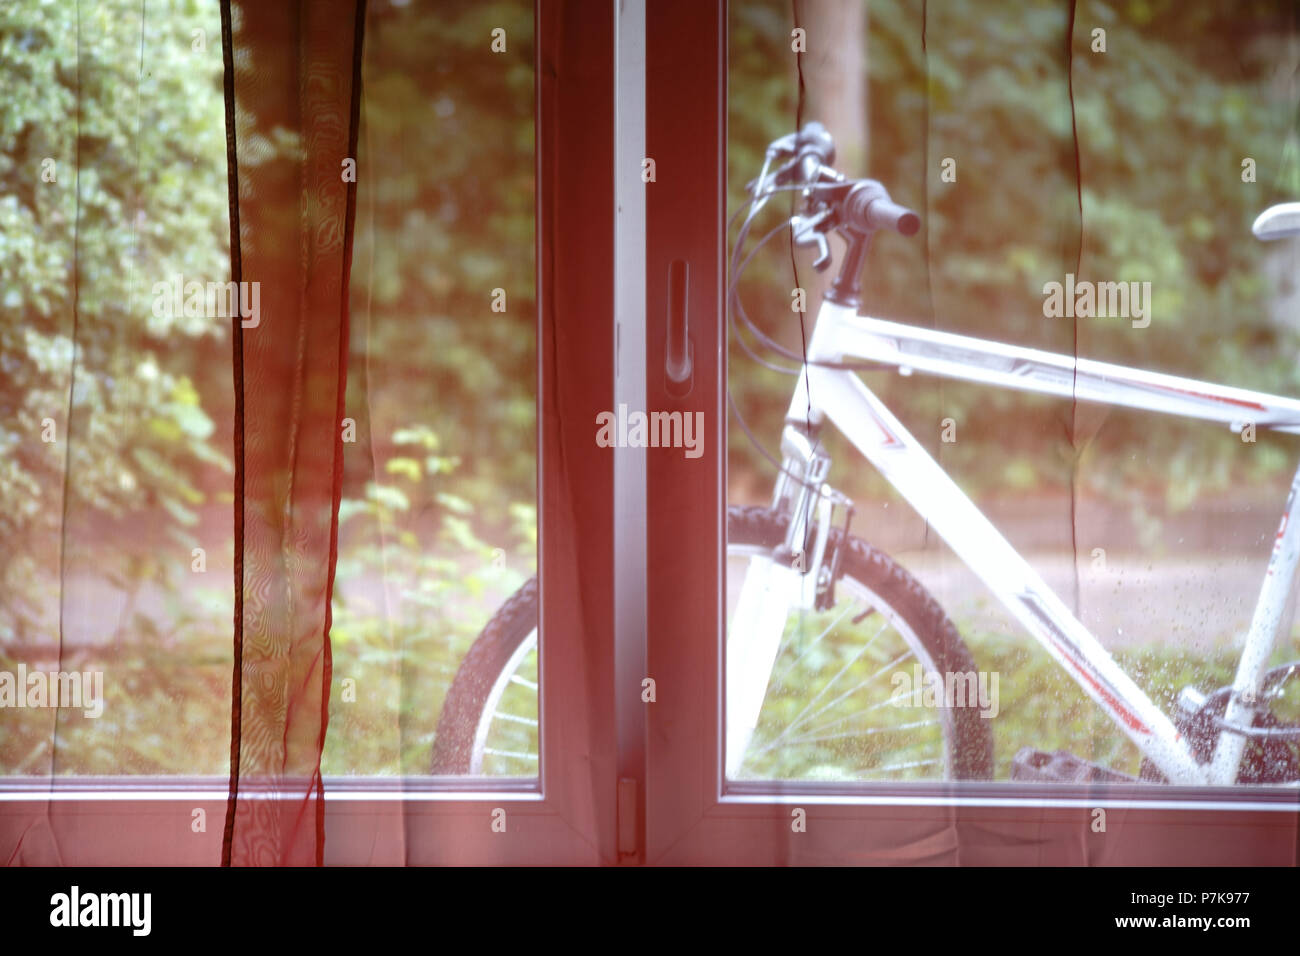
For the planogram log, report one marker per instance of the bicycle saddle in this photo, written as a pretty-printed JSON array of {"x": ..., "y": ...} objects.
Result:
[{"x": 1278, "y": 222}]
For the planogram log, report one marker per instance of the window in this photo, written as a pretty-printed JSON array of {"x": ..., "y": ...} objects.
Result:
[
  {"x": 822, "y": 706},
  {"x": 116, "y": 517},
  {"x": 631, "y": 542},
  {"x": 444, "y": 427}
]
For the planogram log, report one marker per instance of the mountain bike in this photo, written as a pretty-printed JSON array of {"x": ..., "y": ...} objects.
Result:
[{"x": 831, "y": 644}]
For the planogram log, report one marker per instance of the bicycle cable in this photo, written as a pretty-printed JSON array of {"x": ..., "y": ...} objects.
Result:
[
  {"x": 738, "y": 268},
  {"x": 738, "y": 308}
]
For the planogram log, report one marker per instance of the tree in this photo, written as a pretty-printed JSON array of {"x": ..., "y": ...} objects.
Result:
[{"x": 112, "y": 178}]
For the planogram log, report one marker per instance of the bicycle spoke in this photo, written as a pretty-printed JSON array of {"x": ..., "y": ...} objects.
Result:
[
  {"x": 864, "y": 733},
  {"x": 512, "y": 754},
  {"x": 898, "y": 768},
  {"x": 852, "y": 690},
  {"x": 778, "y": 681},
  {"x": 514, "y": 718},
  {"x": 871, "y": 708},
  {"x": 862, "y": 650}
]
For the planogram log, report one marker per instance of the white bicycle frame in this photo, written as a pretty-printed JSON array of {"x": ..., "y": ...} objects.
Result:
[{"x": 840, "y": 335}]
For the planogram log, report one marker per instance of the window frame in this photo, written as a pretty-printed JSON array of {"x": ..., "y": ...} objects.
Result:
[
  {"x": 598, "y": 735},
  {"x": 694, "y": 816},
  {"x": 569, "y": 815}
]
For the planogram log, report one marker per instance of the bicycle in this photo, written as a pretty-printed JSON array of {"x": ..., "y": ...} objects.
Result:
[{"x": 804, "y": 587}]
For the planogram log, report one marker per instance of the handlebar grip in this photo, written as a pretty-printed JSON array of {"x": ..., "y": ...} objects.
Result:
[{"x": 868, "y": 208}]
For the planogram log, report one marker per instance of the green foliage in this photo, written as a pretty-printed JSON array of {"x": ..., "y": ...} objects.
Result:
[
  {"x": 444, "y": 218},
  {"x": 1163, "y": 119},
  {"x": 1040, "y": 706},
  {"x": 438, "y": 524},
  {"x": 422, "y": 592},
  {"x": 138, "y": 193}
]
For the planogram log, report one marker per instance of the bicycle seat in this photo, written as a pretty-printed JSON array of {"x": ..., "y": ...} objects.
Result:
[{"x": 1278, "y": 222}]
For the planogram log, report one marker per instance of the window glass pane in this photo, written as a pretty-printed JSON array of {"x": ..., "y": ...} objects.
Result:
[
  {"x": 437, "y": 523},
  {"x": 438, "y": 520},
  {"x": 115, "y": 405},
  {"x": 895, "y": 660}
]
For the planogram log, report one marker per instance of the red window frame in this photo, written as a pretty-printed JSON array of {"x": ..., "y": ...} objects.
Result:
[
  {"x": 623, "y": 779},
  {"x": 692, "y": 816},
  {"x": 570, "y": 817}
]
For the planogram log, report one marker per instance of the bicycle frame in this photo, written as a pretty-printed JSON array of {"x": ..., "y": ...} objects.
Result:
[{"x": 840, "y": 335}]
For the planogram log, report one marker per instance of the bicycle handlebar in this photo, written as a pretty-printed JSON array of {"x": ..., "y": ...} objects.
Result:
[
  {"x": 868, "y": 208},
  {"x": 865, "y": 207}
]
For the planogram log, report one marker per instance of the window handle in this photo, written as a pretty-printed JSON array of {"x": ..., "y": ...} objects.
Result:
[{"x": 679, "y": 359}]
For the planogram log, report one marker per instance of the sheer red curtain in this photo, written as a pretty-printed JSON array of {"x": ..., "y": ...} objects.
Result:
[{"x": 292, "y": 99}]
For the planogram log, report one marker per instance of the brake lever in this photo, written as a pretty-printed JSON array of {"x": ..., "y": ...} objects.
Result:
[{"x": 807, "y": 232}]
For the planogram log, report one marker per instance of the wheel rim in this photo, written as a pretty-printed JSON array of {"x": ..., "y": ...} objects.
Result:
[{"x": 508, "y": 721}]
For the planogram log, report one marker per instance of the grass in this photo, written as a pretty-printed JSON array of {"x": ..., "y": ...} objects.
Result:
[
  {"x": 169, "y": 712},
  {"x": 1042, "y": 707}
]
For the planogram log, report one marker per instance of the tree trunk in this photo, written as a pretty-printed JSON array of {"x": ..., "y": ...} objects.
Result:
[{"x": 835, "y": 79}]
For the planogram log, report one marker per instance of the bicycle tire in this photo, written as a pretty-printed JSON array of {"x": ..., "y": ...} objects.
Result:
[{"x": 971, "y": 746}]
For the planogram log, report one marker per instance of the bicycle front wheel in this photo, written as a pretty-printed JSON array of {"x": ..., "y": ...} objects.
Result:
[
  {"x": 861, "y": 688},
  {"x": 832, "y": 707}
]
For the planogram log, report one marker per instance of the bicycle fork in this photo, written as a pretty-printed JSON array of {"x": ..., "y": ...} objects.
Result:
[{"x": 775, "y": 583}]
